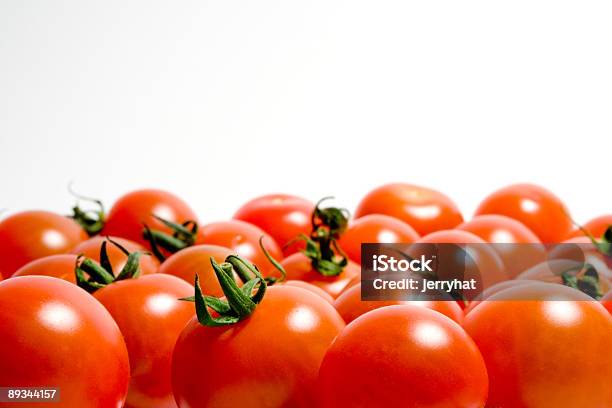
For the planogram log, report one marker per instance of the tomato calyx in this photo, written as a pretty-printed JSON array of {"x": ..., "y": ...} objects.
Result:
[
  {"x": 322, "y": 247},
  {"x": 102, "y": 274},
  {"x": 239, "y": 302},
  {"x": 91, "y": 220},
  {"x": 183, "y": 236},
  {"x": 585, "y": 279}
]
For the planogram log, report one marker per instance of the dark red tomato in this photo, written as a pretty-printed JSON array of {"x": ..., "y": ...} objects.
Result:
[
  {"x": 424, "y": 209},
  {"x": 243, "y": 239},
  {"x": 375, "y": 228},
  {"x": 606, "y": 301},
  {"x": 196, "y": 259},
  {"x": 151, "y": 318},
  {"x": 530, "y": 347},
  {"x": 596, "y": 227},
  {"x": 350, "y": 306},
  {"x": 57, "y": 266},
  {"x": 403, "y": 356},
  {"x": 127, "y": 216},
  {"x": 518, "y": 247},
  {"x": 270, "y": 359},
  {"x": 91, "y": 249},
  {"x": 55, "y": 334},
  {"x": 537, "y": 208},
  {"x": 299, "y": 267},
  {"x": 310, "y": 287},
  {"x": 282, "y": 216},
  {"x": 30, "y": 235}
]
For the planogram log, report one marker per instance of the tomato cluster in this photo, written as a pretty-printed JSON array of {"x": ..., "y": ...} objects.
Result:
[{"x": 144, "y": 306}]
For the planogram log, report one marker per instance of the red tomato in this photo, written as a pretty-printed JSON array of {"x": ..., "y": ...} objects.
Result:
[
  {"x": 57, "y": 266},
  {"x": 54, "y": 334},
  {"x": 151, "y": 318},
  {"x": 196, "y": 259},
  {"x": 269, "y": 359},
  {"x": 243, "y": 239},
  {"x": 424, "y": 209},
  {"x": 30, "y": 235},
  {"x": 596, "y": 227},
  {"x": 403, "y": 356},
  {"x": 91, "y": 249},
  {"x": 299, "y": 267},
  {"x": 508, "y": 235},
  {"x": 606, "y": 301},
  {"x": 282, "y": 216},
  {"x": 128, "y": 215},
  {"x": 539, "y": 209},
  {"x": 350, "y": 306},
  {"x": 310, "y": 287},
  {"x": 374, "y": 228},
  {"x": 530, "y": 347}
]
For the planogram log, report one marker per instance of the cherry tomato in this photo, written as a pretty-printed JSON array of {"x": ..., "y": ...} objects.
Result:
[
  {"x": 537, "y": 208},
  {"x": 508, "y": 236},
  {"x": 424, "y": 209},
  {"x": 196, "y": 259},
  {"x": 243, "y": 239},
  {"x": 151, "y": 317},
  {"x": 54, "y": 334},
  {"x": 310, "y": 287},
  {"x": 350, "y": 306},
  {"x": 403, "y": 356},
  {"x": 299, "y": 267},
  {"x": 282, "y": 216},
  {"x": 269, "y": 359},
  {"x": 91, "y": 249},
  {"x": 30, "y": 235},
  {"x": 374, "y": 228},
  {"x": 58, "y": 266},
  {"x": 596, "y": 227},
  {"x": 129, "y": 214},
  {"x": 606, "y": 301},
  {"x": 544, "y": 345}
]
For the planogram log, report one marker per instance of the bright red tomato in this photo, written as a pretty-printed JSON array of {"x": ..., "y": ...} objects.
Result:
[
  {"x": 54, "y": 334},
  {"x": 196, "y": 259},
  {"x": 151, "y": 318},
  {"x": 57, "y": 266},
  {"x": 91, "y": 249},
  {"x": 537, "y": 208},
  {"x": 269, "y": 359},
  {"x": 282, "y": 216},
  {"x": 403, "y": 356},
  {"x": 130, "y": 212},
  {"x": 508, "y": 236},
  {"x": 596, "y": 227},
  {"x": 30, "y": 235},
  {"x": 310, "y": 287},
  {"x": 299, "y": 267},
  {"x": 529, "y": 347},
  {"x": 606, "y": 301},
  {"x": 424, "y": 209},
  {"x": 243, "y": 239},
  {"x": 374, "y": 228}
]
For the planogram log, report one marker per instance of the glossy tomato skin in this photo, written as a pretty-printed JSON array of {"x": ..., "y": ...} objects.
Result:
[
  {"x": 270, "y": 359},
  {"x": 350, "y": 306},
  {"x": 403, "y": 356},
  {"x": 242, "y": 238},
  {"x": 528, "y": 336},
  {"x": 282, "y": 216},
  {"x": 310, "y": 287},
  {"x": 596, "y": 227},
  {"x": 57, "y": 266},
  {"x": 196, "y": 259},
  {"x": 423, "y": 209},
  {"x": 131, "y": 211},
  {"x": 374, "y": 228},
  {"x": 537, "y": 208},
  {"x": 150, "y": 316},
  {"x": 54, "y": 334},
  {"x": 30, "y": 235},
  {"x": 299, "y": 267},
  {"x": 91, "y": 249},
  {"x": 518, "y": 246}
]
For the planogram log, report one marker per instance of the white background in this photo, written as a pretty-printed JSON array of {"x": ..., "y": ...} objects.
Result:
[{"x": 220, "y": 101}]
